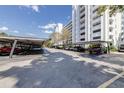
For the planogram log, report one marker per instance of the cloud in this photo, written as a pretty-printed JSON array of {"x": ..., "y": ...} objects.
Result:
[
  {"x": 4, "y": 28},
  {"x": 31, "y": 34},
  {"x": 48, "y": 26},
  {"x": 33, "y": 7},
  {"x": 15, "y": 31},
  {"x": 48, "y": 31},
  {"x": 8, "y": 30}
]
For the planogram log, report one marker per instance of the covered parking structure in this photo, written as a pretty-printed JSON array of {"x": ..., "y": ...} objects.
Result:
[
  {"x": 108, "y": 43},
  {"x": 13, "y": 40}
]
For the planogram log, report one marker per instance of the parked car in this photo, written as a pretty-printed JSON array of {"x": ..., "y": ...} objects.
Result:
[
  {"x": 31, "y": 49},
  {"x": 5, "y": 50},
  {"x": 79, "y": 49},
  {"x": 97, "y": 49},
  {"x": 59, "y": 47},
  {"x": 121, "y": 48}
]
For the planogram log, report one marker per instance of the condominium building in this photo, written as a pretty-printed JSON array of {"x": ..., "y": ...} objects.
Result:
[
  {"x": 58, "y": 27},
  {"x": 80, "y": 23},
  {"x": 89, "y": 26},
  {"x": 68, "y": 27},
  {"x": 121, "y": 37}
]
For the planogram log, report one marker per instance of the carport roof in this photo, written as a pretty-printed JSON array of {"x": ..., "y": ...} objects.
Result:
[{"x": 25, "y": 40}]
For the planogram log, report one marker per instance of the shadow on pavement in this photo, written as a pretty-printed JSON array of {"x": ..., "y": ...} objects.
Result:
[
  {"x": 109, "y": 58},
  {"x": 58, "y": 70}
]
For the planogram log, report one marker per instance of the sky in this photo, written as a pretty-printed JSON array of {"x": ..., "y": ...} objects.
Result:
[{"x": 33, "y": 21}]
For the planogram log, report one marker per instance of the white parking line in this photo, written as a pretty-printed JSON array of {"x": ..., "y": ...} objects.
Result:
[{"x": 107, "y": 83}]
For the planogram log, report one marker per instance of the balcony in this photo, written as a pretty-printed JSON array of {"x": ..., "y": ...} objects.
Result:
[
  {"x": 82, "y": 9},
  {"x": 82, "y": 16},
  {"x": 82, "y": 13},
  {"x": 96, "y": 27},
  {"x": 82, "y": 19},
  {"x": 98, "y": 20}
]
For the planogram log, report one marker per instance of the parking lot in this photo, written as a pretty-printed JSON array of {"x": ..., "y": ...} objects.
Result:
[{"x": 60, "y": 68}]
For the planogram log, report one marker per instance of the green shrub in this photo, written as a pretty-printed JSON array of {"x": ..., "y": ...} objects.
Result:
[{"x": 112, "y": 48}]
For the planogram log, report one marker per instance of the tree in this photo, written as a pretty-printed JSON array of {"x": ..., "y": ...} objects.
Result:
[
  {"x": 55, "y": 37},
  {"x": 65, "y": 36},
  {"x": 48, "y": 43},
  {"x": 3, "y": 34},
  {"x": 113, "y": 9}
]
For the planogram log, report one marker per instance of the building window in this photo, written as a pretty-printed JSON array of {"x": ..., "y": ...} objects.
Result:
[
  {"x": 94, "y": 18},
  {"x": 110, "y": 21},
  {"x": 123, "y": 22},
  {"x": 110, "y": 29},
  {"x": 82, "y": 10},
  {"x": 98, "y": 30},
  {"x": 110, "y": 15},
  {"x": 82, "y": 16},
  {"x": 82, "y": 22},
  {"x": 97, "y": 23},
  {"x": 97, "y": 37},
  {"x": 122, "y": 34},
  {"x": 83, "y": 33},
  {"x": 122, "y": 39},
  {"x": 82, "y": 28},
  {"x": 122, "y": 28},
  {"x": 81, "y": 6},
  {"x": 95, "y": 10},
  {"x": 110, "y": 37},
  {"x": 82, "y": 39}
]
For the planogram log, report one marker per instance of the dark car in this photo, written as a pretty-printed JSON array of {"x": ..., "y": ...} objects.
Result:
[
  {"x": 31, "y": 49},
  {"x": 79, "y": 49},
  {"x": 97, "y": 49}
]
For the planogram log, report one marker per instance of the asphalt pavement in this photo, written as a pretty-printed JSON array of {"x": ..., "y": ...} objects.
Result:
[{"x": 57, "y": 69}]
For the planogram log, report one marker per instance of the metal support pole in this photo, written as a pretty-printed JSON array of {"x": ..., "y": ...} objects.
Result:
[
  {"x": 108, "y": 48},
  {"x": 13, "y": 48}
]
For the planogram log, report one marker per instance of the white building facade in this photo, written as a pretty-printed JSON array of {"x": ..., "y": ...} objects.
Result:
[
  {"x": 68, "y": 27},
  {"x": 89, "y": 26},
  {"x": 121, "y": 37}
]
